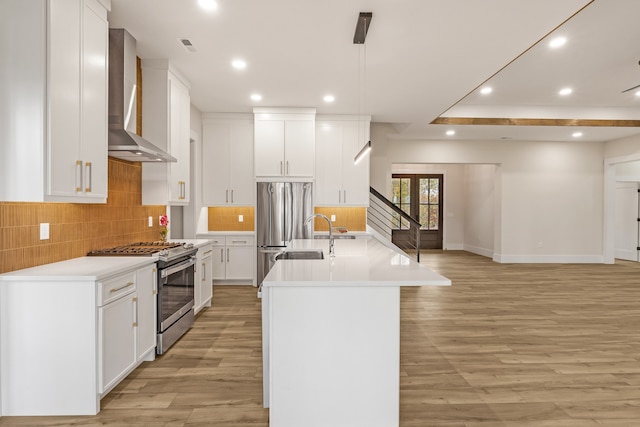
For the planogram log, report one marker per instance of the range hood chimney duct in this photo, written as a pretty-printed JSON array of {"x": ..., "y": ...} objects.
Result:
[{"x": 124, "y": 143}]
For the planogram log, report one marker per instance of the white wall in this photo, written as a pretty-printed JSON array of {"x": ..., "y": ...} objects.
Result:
[
  {"x": 192, "y": 212},
  {"x": 549, "y": 196},
  {"x": 622, "y": 147},
  {"x": 628, "y": 172},
  {"x": 479, "y": 209}
]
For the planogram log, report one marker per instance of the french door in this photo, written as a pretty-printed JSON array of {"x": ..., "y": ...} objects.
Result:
[{"x": 420, "y": 196}]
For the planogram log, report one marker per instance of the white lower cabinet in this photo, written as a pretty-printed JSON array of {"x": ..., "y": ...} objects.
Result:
[
  {"x": 126, "y": 325},
  {"x": 118, "y": 339},
  {"x": 233, "y": 257},
  {"x": 203, "y": 278},
  {"x": 147, "y": 290},
  {"x": 71, "y": 331}
]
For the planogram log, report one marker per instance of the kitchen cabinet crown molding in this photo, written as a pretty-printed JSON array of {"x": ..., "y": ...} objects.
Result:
[
  {"x": 270, "y": 113},
  {"x": 226, "y": 116},
  {"x": 343, "y": 117},
  {"x": 165, "y": 64}
]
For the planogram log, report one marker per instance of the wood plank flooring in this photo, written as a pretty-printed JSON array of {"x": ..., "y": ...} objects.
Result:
[{"x": 515, "y": 345}]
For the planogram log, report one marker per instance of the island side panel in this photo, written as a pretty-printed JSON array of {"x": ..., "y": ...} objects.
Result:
[
  {"x": 48, "y": 351},
  {"x": 334, "y": 356}
]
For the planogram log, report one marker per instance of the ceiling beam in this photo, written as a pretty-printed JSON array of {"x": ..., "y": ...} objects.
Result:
[{"x": 495, "y": 121}]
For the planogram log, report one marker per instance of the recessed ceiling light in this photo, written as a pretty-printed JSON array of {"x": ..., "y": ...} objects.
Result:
[
  {"x": 239, "y": 64},
  {"x": 566, "y": 91},
  {"x": 451, "y": 132},
  {"x": 638, "y": 93},
  {"x": 576, "y": 134},
  {"x": 557, "y": 42},
  {"x": 329, "y": 98},
  {"x": 486, "y": 90},
  {"x": 208, "y": 4},
  {"x": 256, "y": 97}
]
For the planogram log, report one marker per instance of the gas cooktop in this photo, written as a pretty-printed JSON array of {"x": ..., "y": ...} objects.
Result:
[{"x": 164, "y": 249}]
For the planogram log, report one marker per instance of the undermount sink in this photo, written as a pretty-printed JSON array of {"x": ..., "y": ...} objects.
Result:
[
  {"x": 335, "y": 236},
  {"x": 301, "y": 255}
]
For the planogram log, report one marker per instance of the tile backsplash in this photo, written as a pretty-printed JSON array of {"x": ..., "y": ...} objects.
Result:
[
  {"x": 353, "y": 218},
  {"x": 76, "y": 229},
  {"x": 227, "y": 218}
]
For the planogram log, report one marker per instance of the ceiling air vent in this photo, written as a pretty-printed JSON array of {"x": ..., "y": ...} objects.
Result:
[{"x": 187, "y": 45}]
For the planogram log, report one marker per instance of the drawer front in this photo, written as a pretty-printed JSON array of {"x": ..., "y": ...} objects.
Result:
[
  {"x": 205, "y": 252},
  {"x": 114, "y": 288},
  {"x": 218, "y": 241},
  {"x": 239, "y": 241}
]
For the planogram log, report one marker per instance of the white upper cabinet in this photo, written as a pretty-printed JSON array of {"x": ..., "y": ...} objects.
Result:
[
  {"x": 284, "y": 142},
  {"x": 166, "y": 111},
  {"x": 338, "y": 180},
  {"x": 227, "y": 160},
  {"x": 54, "y": 101}
]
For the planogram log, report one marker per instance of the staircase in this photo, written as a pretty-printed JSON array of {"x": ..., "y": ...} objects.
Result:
[{"x": 384, "y": 217}]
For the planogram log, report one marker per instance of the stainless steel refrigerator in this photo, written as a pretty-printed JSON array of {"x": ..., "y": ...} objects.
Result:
[{"x": 282, "y": 208}]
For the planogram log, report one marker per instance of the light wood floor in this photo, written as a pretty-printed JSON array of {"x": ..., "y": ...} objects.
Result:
[{"x": 506, "y": 345}]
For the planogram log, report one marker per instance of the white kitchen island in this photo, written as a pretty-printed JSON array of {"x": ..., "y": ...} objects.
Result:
[{"x": 331, "y": 334}]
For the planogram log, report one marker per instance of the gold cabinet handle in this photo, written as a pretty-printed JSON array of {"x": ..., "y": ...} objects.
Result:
[
  {"x": 121, "y": 287},
  {"x": 88, "y": 169},
  {"x": 79, "y": 176}
]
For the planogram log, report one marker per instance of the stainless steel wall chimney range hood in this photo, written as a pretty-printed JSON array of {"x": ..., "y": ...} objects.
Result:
[{"x": 124, "y": 143}]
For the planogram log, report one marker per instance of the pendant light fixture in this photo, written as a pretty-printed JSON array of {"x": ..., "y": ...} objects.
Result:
[{"x": 362, "y": 27}]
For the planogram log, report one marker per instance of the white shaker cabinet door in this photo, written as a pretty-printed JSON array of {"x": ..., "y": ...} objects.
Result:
[
  {"x": 241, "y": 177},
  {"x": 146, "y": 285},
  {"x": 355, "y": 178},
  {"x": 219, "y": 262},
  {"x": 299, "y": 148},
  {"x": 216, "y": 137},
  {"x": 240, "y": 262},
  {"x": 64, "y": 99},
  {"x": 118, "y": 339},
  {"x": 328, "y": 185},
  {"x": 269, "y": 148},
  {"x": 206, "y": 277},
  {"x": 94, "y": 102},
  {"x": 179, "y": 134}
]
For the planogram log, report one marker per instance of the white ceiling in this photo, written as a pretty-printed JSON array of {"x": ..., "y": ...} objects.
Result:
[{"x": 421, "y": 59}]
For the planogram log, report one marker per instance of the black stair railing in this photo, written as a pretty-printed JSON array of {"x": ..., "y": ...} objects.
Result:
[{"x": 385, "y": 217}]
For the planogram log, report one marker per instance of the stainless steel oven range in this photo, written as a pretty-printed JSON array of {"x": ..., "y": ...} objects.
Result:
[{"x": 175, "y": 299}]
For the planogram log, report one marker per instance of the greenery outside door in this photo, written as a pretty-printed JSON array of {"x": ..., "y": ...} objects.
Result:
[{"x": 421, "y": 197}]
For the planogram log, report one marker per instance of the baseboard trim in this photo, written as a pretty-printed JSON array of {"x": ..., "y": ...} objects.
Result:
[
  {"x": 479, "y": 251},
  {"x": 548, "y": 259}
]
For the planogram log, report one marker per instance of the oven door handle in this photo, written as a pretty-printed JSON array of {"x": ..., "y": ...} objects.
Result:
[{"x": 178, "y": 267}]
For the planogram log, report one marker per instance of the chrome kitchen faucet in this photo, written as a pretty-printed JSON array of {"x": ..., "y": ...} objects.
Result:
[{"x": 331, "y": 243}]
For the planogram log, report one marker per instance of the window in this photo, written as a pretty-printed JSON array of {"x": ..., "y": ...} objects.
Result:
[{"x": 418, "y": 196}]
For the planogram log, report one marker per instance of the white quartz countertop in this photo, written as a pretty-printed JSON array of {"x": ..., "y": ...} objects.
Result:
[
  {"x": 89, "y": 268},
  {"x": 224, "y": 233},
  {"x": 358, "y": 262}
]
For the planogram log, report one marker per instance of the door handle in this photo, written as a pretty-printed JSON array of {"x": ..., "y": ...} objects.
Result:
[
  {"x": 281, "y": 169},
  {"x": 231, "y": 196},
  {"x": 227, "y": 254},
  {"x": 226, "y": 197}
]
